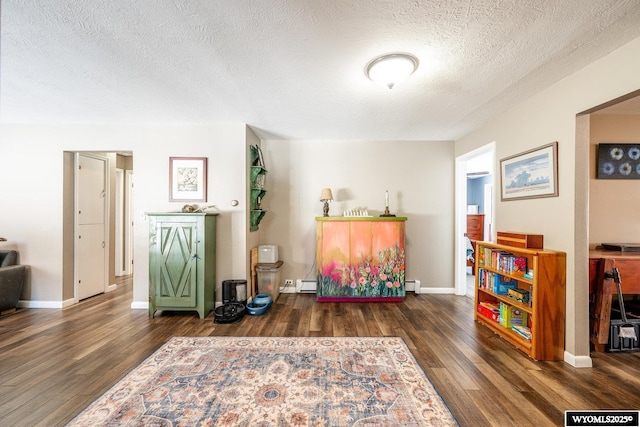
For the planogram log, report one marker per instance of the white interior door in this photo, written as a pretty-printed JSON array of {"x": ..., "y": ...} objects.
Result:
[{"x": 91, "y": 264}]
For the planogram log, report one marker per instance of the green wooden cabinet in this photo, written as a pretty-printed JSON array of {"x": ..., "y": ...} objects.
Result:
[{"x": 182, "y": 262}]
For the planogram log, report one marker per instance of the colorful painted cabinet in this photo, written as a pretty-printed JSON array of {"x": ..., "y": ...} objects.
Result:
[{"x": 360, "y": 259}]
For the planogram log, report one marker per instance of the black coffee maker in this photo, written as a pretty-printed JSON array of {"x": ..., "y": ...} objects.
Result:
[{"x": 234, "y": 291}]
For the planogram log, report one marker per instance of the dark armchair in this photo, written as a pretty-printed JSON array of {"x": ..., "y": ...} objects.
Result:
[{"x": 11, "y": 279}]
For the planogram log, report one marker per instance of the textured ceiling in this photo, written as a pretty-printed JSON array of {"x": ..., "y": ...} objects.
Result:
[{"x": 294, "y": 69}]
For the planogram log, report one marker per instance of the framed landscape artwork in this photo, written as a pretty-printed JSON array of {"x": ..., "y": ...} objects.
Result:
[
  {"x": 531, "y": 174},
  {"x": 187, "y": 179}
]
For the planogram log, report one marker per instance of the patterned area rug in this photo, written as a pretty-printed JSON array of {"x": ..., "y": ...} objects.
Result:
[{"x": 231, "y": 381}]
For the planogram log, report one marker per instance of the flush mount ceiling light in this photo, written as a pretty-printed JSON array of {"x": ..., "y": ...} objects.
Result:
[{"x": 391, "y": 69}]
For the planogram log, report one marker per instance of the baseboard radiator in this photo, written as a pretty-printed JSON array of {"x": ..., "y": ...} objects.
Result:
[
  {"x": 304, "y": 286},
  {"x": 412, "y": 286}
]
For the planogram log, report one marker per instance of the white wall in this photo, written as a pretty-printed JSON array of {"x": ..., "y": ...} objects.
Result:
[
  {"x": 31, "y": 217},
  {"x": 418, "y": 175},
  {"x": 551, "y": 116}
]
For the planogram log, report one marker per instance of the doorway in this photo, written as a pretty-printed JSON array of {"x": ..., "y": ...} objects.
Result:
[
  {"x": 474, "y": 199},
  {"x": 72, "y": 245}
]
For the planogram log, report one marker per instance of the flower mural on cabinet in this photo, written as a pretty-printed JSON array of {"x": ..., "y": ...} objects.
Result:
[{"x": 360, "y": 259}]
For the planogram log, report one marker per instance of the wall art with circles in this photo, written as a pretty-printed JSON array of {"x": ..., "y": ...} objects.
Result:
[{"x": 618, "y": 161}]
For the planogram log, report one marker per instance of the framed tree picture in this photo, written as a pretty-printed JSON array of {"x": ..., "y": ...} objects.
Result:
[
  {"x": 187, "y": 179},
  {"x": 531, "y": 174}
]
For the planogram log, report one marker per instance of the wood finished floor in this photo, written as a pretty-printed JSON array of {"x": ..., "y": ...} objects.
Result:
[{"x": 53, "y": 363}]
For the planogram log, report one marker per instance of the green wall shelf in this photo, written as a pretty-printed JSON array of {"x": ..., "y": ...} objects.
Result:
[{"x": 257, "y": 180}]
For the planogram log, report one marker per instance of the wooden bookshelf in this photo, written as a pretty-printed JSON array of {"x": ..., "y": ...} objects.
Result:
[{"x": 546, "y": 308}]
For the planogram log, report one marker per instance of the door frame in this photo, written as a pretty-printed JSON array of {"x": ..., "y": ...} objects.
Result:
[
  {"x": 120, "y": 221},
  {"x": 123, "y": 222},
  {"x": 460, "y": 223},
  {"x": 128, "y": 222},
  {"x": 107, "y": 203}
]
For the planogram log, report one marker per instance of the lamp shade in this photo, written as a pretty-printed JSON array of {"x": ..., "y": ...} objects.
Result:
[
  {"x": 326, "y": 194},
  {"x": 391, "y": 69}
]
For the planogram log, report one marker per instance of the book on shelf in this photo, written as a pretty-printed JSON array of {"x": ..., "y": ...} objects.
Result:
[
  {"x": 523, "y": 331},
  {"x": 520, "y": 295},
  {"x": 502, "y": 260},
  {"x": 495, "y": 282},
  {"x": 512, "y": 316},
  {"x": 489, "y": 310}
]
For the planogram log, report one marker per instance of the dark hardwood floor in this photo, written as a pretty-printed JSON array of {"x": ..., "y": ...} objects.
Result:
[{"x": 53, "y": 363}]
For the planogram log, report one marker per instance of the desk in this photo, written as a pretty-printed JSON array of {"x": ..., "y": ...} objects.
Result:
[{"x": 601, "y": 289}]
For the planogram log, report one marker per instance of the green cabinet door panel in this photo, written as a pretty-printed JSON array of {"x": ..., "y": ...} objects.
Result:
[{"x": 176, "y": 284}]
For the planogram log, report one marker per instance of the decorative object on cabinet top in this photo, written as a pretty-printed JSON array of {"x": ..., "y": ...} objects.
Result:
[
  {"x": 357, "y": 212},
  {"x": 196, "y": 208},
  {"x": 181, "y": 213},
  {"x": 386, "y": 205},
  {"x": 326, "y": 196}
]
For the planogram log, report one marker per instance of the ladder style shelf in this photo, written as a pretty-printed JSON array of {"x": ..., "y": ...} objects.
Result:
[
  {"x": 500, "y": 267},
  {"x": 257, "y": 182}
]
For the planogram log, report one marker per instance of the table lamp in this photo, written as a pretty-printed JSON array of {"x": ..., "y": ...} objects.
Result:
[{"x": 326, "y": 196}]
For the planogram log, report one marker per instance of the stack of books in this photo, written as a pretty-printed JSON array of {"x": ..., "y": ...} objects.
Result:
[
  {"x": 523, "y": 331},
  {"x": 495, "y": 282},
  {"x": 489, "y": 310},
  {"x": 502, "y": 260}
]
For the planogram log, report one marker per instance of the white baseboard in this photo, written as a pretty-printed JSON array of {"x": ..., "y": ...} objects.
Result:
[
  {"x": 450, "y": 291},
  {"x": 140, "y": 305},
  {"x": 111, "y": 288},
  {"x": 45, "y": 304},
  {"x": 288, "y": 290},
  {"x": 69, "y": 302},
  {"x": 578, "y": 361}
]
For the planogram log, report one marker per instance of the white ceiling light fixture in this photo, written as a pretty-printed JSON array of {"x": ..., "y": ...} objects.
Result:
[{"x": 391, "y": 69}]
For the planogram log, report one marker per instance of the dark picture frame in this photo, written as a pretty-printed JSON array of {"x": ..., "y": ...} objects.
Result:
[
  {"x": 618, "y": 161},
  {"x": 531, "y": 174},
  {"x": 187, "y": 179}
]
